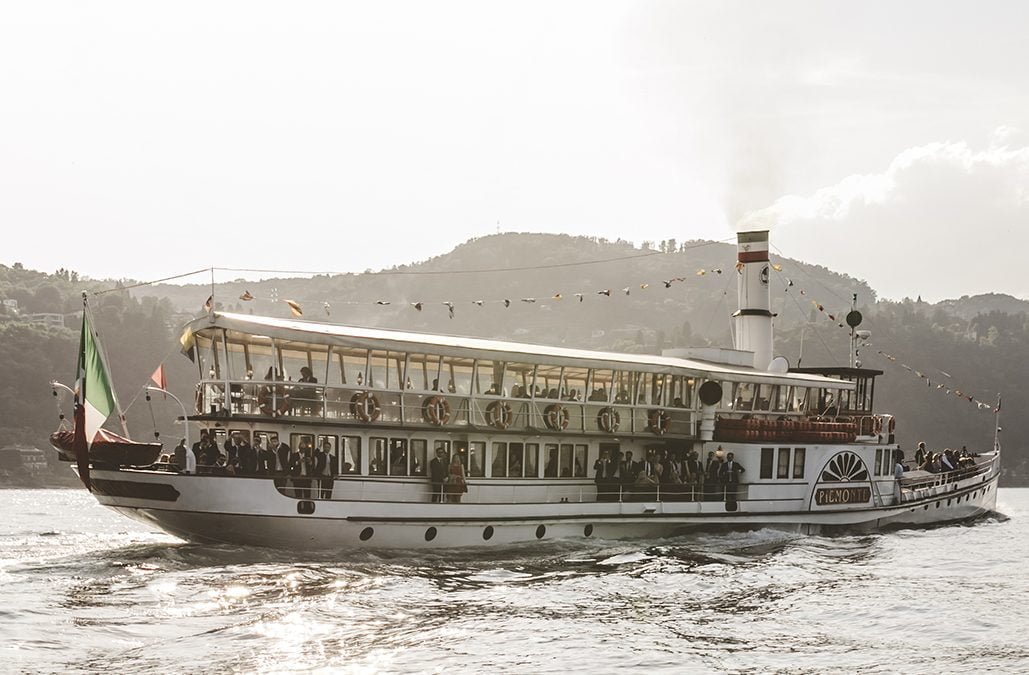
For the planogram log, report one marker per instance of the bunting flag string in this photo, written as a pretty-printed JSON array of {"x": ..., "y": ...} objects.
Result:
[
  {"x": 940, "y": 386},
  {"x": 835, "y": 317}
]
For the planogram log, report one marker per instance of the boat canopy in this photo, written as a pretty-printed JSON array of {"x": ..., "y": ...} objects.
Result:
[{"x": 247, "y": 329}]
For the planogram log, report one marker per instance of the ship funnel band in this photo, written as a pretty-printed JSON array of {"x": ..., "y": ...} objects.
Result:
[
  {"x": 753, "y": 312},
  {"x": 752, "y": 246},
  {"x": 752, "y": 256}
]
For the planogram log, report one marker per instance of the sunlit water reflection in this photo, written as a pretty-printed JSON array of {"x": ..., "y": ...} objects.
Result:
[{"x": 88, "y": 591}]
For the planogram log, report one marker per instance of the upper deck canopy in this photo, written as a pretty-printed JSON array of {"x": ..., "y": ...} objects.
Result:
[{"x": 246, "y": 328}]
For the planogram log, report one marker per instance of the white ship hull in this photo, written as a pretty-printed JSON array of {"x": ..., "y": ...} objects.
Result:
[{"x": 251, "y": 511}]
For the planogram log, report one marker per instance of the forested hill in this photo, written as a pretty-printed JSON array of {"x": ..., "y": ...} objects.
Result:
[{"x": 977, "y": 345}]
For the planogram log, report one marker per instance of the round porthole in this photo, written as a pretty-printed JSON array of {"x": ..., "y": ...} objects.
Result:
[
  {"x": 588, "y": 530},
  {"x": 367, "y": 533},
  {"x": 305, "y": 508},
  {"x": 487, "y": 532},
  {"x": 430, "y": 534},
  {"x": 540, "y": 531}
]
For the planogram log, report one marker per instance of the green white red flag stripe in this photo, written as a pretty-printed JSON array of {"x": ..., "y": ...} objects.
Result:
[{"x": 92, "y": 384}]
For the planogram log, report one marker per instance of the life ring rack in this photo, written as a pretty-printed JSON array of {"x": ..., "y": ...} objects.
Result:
[
  {"x": 609, "y": 419},
  {"x": 557, "y": 417},
  {"x": 499, "y": 414},
  {"x": 365, "y": 407},
  {"x": 436, "y": 410},
  {"x": 659, "y": 421}
]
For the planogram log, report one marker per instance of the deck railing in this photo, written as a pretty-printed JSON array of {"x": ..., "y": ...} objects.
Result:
[{"x": 312, "y": 401}]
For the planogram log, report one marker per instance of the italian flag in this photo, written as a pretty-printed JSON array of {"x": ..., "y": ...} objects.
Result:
[
  {"x": 94, "y": 398},
  {"x": 92, "y": 385}
]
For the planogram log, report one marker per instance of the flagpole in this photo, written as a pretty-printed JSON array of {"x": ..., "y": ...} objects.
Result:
[
  {"x": 996, "y": 426},
  {"x": 212, "y": 289},
  {"x": 107, "y": 365},
  {"x": 185, "y": 418}
]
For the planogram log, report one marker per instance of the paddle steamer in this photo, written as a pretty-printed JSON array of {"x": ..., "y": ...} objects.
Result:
[{"x": 531, "y": 427}]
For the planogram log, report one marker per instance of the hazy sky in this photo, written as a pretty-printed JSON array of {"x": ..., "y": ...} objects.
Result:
[{"x": 886, "y": 140}]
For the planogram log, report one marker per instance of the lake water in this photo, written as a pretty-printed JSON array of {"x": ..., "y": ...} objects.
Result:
[{"x": 86, "y": 590}]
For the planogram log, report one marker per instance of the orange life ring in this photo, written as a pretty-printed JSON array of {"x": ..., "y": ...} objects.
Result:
[
  {"x": 893, "y": 425},
  {"x": 365, "y": 406},
  {"x": 608, "y": 419},
  {"x": 264, "y": 403},
  {"x": 499, "y": 414},
  {"x": 436, "y": 410},
  {"x": 659, "y": 421},
  {"x": 557, "y": 417}
]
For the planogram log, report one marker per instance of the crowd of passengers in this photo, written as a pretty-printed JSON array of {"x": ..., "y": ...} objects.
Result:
[
  {"x": 309, "y": 469},
  {"x": 670, "y": 474},
  {"x": 944, "y": 462}
]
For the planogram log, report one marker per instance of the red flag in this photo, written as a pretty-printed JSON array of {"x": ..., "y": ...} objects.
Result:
[{"x": 158, "y": 377}]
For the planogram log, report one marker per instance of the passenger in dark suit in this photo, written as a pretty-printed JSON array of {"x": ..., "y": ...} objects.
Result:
[
  {"x": 282, "y": 453},
  {"x": 265, "y": 459},
  {"x": 200, "y": 446},
  {"x": 627, "y": 470},
  {"x": 321, "y": 464},
  {"x": 601, "y": 469},
  {"x": 437, "y": 475},
  {"x": 232, "y": 446},
  {"x": 247, "y": 458},
  {"x": 729, "y": 473}
]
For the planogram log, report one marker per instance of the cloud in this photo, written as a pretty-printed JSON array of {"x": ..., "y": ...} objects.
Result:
[{"x": 942, "y": 220}]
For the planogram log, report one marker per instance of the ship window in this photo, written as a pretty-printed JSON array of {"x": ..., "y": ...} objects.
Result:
[
  {"x": 351, "y": 454},
  {"x": 243, "y": 433},
  {"x": 423, "y": 372},
  {"x": 419, "y": 449},
  {"x": 574, "y": 384},
  {"x": 621, "y": 388},
  {"x": 878, "y": 461},
  {"x": 499, "y": 466},
  {"x": 780, "y": 398},
  {"x": 782, "y": 469},
  {"x": 476, "y": 458},
  {"x": 767, "y": 458},
  {"x": 764, "y": 397},
  {"x": 600, "y": 387},
  {"x": 682, "y": 392},
  {"x": 301, "y": 442},
  {"x": 550, "y": 459},
  {"x": 398, "y": 456},
  {"x": 458, "y": 375},
  {"x": 514, "y": 460},
  {"x": 386, "y": 369},
  {"x": 744, "y": 396},
  {"x": 377, "y": 458},
  {"x": 238, "y": 358},
  {"x": 328, "y": 444},
  {"x": 532, "y": 454},
  {"x": 266, "y": 439},
  {"x": 581, "y": 452},
  {"x": 798, "y": 462},
  {"x": 566, "y": 460},
  {"x": 352, "y": 364},
  {"x": 496, "y": 378},
  {"x": 548, "y": 381},
  {"x": 800, "y": 397},
  {"x": 292, "y": 361}
]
